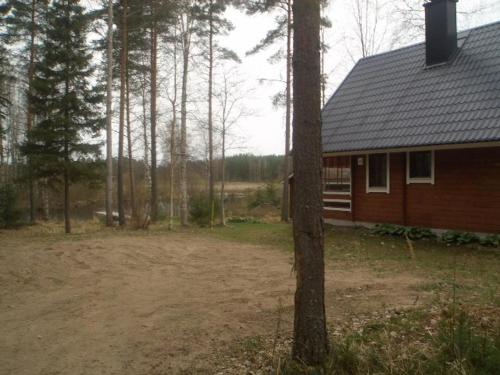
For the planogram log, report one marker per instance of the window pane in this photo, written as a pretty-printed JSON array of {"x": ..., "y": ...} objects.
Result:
[
  {"x": 378, "y": 170},
  {"x": 421, "y": 164},
  {"x": 337, "y": 174}
]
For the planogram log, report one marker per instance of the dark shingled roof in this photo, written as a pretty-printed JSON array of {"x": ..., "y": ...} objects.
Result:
[{"x": 393, "y": 100}]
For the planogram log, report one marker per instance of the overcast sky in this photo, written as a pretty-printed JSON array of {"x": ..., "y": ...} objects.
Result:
[{"x": 263, "y": 132}]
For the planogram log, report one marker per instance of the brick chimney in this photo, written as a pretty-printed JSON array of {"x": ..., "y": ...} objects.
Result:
[{"x": 440, "y": 30}]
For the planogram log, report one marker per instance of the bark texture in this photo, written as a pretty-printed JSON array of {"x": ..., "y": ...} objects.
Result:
[
  {"x": 133, "y": 204},
  {"x": 186, "y": 45},
  {"x": 210, "y": 114},
  {"x": 285, "y": 202},
  {"x": 173, "y": 150},
  {"x": 310, "y": 345},
  {"x": 154, "y": 70},
  {"x": 121, "y": 132},
  {"x": 109, "y": 119},
  {"x": 29, "y": 113}
]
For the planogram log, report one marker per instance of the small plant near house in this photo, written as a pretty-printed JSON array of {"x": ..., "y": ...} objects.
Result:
[
  {"x": 400, "y": 231},
  {"x": 459, "y": 238},
  {"x": 490, "y": 241}
]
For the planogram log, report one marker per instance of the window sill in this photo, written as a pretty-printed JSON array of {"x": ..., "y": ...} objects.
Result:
[
  {"x": 337, "y": 209},
  {"x": 335, "y": 193},
  {"x": 377, "y": 190},
  {"x": 429, "y": 181}
]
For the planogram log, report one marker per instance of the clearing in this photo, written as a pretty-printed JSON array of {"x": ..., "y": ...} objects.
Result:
[{"x": 114, "y": 302}]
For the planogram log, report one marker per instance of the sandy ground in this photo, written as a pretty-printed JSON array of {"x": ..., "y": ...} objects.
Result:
[{"x": 155, "y": 305}]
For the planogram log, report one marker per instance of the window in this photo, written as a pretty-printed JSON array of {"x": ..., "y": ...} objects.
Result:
[
  {"x": 337, "y": 175},
  {"x": 377, "y": 171},
  {"x": 420, "y": 167}
]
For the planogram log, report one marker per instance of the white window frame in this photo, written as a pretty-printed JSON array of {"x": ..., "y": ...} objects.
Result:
[
  {"x": 338, "y": 201},
  {"x": 419, "y": 180},
  {"x": 386, "y": 189},
  {"x": 325, "y": 192}
]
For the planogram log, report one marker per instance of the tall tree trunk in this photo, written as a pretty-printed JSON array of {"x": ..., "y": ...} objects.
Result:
[
  {"x": 154, "y": 53},
  {"x": 2, "y": 162},
  {"x": 223, "y": 178},
  {"x": 121, "y": 134},
  {"x": 310, "y": 344},
  {"x": 133, "y": 204},
  {"x": 29, "y": 114},
  {"x": 173, "y": 101},
  {"x": 147, "y": 166},
  {"x": 67, "y": 220},
  {"x": 323, "y": 51},
  {"x": 44, "y": 197},
  {"x": 285, "y": 201},
  {"x": 183, "y": 166},
  {"x": 210, "y": 114},
  {"x": 109, "y": 119}
]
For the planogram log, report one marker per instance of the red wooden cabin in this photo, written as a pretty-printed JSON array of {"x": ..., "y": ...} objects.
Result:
[{"x": 412, "y": 136}]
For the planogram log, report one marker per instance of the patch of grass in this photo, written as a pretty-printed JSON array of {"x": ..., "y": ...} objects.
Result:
[
  {"x": 474, "y": 269},
  {"x": 276, "y": 235},
  {"x": 443, "y": 339}
]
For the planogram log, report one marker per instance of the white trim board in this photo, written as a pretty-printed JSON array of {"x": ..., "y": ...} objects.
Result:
[{"x": 458, "y": 146}]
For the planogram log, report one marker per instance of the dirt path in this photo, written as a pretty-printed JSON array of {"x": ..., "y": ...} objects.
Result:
[{"x": 154, "y": 305}]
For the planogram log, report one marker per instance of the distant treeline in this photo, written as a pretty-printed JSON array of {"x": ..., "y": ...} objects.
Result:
[{"x": 248, "y": 167}]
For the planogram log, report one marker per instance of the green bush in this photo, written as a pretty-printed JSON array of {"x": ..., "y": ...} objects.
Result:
[
  {"x": 490, "y": 241},
  {"x": 267, "y": 196},
  {"x": 401, "y": 231},
  {"x": 200, "y": 210},
  {"x": 9, "y": 214},
  {"x": 459, "y": 238},
  {"x": 243, "y": 220}
]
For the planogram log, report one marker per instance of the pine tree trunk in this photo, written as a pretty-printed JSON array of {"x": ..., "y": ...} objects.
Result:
[
  {"x": 67, "y": 220},
  {"x": 285, "y": 201},
  {"x": 131, "y": 172},
  {"x": 44, "y": 192},
  {"x": 172, "y": 170},
  {"x": 29, "y": 114},
  {"x": 109, "y": 120},
  {"x": 147, "y": 167},
  {"x": 2, "y": 163},
  {"x": 210, "y": 115},
  {"x": 173, "y": 126},
  {"x": 183, "y": 166},
  {"x": 323, "y": 50},
  {"x": 154, "y": 52},
  {"x": 310, "y": 345},
  {"x": 223, "y": 178},
  {"x": 121, "y": 133}
]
